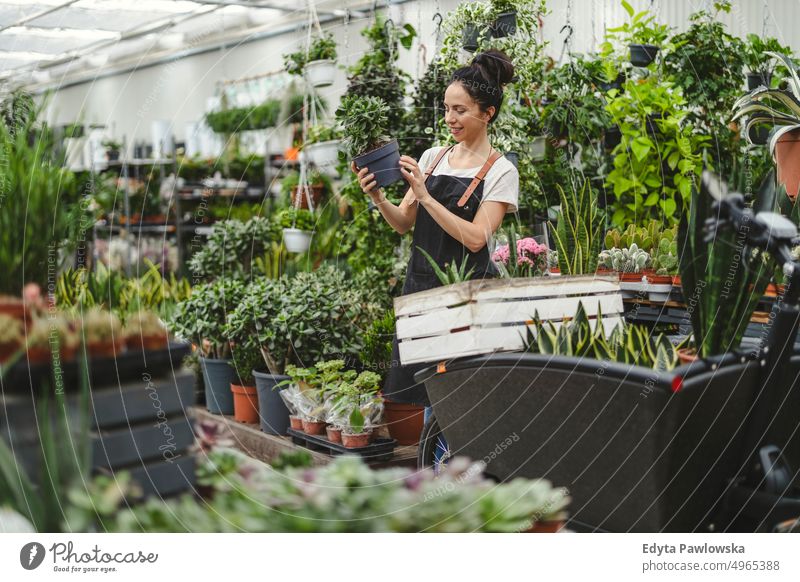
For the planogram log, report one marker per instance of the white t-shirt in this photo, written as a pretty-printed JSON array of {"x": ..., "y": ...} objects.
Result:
[{"x": 501, "y": 183}]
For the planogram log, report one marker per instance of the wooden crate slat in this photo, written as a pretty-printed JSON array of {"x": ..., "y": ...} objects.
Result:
[{"x": 484, "y": 313}]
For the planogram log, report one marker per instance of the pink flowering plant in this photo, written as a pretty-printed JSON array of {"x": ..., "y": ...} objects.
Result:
[{"x": 520, "y": 257}]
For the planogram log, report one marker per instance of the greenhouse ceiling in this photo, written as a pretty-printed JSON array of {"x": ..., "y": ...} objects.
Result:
[{"x": 50, "y": 42}]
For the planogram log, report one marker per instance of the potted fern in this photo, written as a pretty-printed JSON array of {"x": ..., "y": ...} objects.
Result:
[{"x": 365, "y": 122}]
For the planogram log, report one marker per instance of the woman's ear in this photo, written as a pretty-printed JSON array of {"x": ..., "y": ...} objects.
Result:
[{"x": 489, "y": 113}]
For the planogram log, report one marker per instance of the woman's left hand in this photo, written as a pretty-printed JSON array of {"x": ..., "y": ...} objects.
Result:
[{"x": 415, "y": 178}]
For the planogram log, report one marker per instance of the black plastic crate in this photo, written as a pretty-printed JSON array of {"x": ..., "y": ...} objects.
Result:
[{"x": 381, "y": 449}]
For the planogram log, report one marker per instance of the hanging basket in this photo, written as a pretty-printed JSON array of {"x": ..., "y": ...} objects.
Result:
[
  {"x": 324, "y": 155},
  {"x": 320, "y": 73},
  {"x": 538, "y": 147},
  {"x": 317, "y": 192},
  {"x": 296, "y": 240},
  {"x": 642, "y": 54}
]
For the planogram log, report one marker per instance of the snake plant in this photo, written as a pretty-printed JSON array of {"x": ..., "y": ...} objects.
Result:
[
  {"x": 777, "y": 108},
  {"x": 578, "y": 233},
  {"x": 451, "y": 274},
  {"x": 723, "y": 278}
]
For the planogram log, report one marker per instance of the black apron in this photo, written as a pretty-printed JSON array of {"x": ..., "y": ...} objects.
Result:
[{"x": 428, "y": 235}]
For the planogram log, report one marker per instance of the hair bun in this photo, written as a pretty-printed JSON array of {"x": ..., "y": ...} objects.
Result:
[{"x": 495, "y": 66}]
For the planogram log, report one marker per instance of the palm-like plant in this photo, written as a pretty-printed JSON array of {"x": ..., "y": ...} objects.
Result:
[{"x": 578, "y": 233}]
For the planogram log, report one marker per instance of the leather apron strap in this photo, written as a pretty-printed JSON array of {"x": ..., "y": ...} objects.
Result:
[{"x": 479, "y": 177}]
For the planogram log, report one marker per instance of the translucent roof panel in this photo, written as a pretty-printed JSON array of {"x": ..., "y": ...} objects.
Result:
[
  {"x": 116, "y": 20},
  {"x": 11, "y": 13}
]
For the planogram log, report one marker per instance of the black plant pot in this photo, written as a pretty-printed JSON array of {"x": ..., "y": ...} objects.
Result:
[
  {"x": 218, "y": 375},
  {"x": 504, "y": 25},
  {"x": 272, "y": 409},
  {"x": 472, "y": 32},
  {"x": 756, "y": 79},
  {"x": 612, "y": 137},
  {"x": 513, "y": 157},
  {"x": 384, "y": 162},
  {"x": 759, "y": 134},
  {"x": 617, "y": 83},
  {"x": 642, "y": 54}
]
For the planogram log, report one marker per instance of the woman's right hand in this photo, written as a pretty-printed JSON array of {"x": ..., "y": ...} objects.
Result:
[{"x": 366, "y": 181}]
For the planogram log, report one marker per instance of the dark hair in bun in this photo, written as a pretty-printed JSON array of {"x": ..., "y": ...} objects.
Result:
[{"x": 485, "y": 77}]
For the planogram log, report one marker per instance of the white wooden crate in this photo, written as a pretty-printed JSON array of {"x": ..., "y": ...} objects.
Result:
[{"x": 485, "y": 316}]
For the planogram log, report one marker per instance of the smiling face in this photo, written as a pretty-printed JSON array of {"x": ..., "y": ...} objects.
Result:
[{"x": 463, "y": 114}]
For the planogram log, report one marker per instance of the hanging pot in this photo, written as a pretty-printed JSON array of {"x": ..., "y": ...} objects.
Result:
[
  {"x": 384, "y": 162},
  {"x": 504, "y": 25},
  {"x": 317, "y": 192},
  {"x": 272, "y": 408},
  {"x": 787, "y": 159},
  {"x": 642, "y": 54},
  {"x": 218, "y": 375},
  {"x": 320, "y": 73},
  {"x": 296, "y": 240},
  {"x": 538, "y": 147},
  {"x": 756, "y": 79},
  {"x": 617, "y": 83},
  {"x": 471, "y": 35},
  {"x": 324, "y": 154}
]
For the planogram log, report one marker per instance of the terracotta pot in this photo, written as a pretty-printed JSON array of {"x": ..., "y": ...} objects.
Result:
[
  {"x": 13, "y": 307},
  {"x": 687, "y": 355},
  {"x": 355, "y": 441},
  {"x": 545, "y": 527},
  {"x": 317, "y": 191},
  {"x": 104, "y": 349},
  {"x": 676, "y": 280},
  {"x": 314, "y": 426},
  {"x": 787, "y": 159},
  {"x": 404, "y": 421},
  {"x": 245, "y": 404},
  {"x": 68, "y": 353},
  {"x": 7, "y": 350},
  {"x": 654, "y": 279},
  {"x": 148, "y": 342},
  {"x": 631, "y": 277},
  {"x": 39, "y": 355},
  {"x": 296, "y": 422},
  {"x": 334, "y": 434}
]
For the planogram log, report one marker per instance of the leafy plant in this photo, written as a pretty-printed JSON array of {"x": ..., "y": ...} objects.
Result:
[
  {"x": 579, "y": 229},
  {"x": 642, "y": 28},
  {"x": 299, "y": 218},
  {"x": 626, "y": 260},
  {"x": 665, "y": 260},
  {"x": 451, "y": 274},
  {"x": 233, "y": 120},
  {"x": 144, "y": 323},
  {"x": 322, "y": 47},
  {"x": 520, "y": 257},
  {"x": 232, "y": 248},
  {"x": 323, "y": 132},
  {"x": 376, "y": 355},
  {"x": 314, "y": 178},
  {"x": 355, "y": 403},
  {"x": 773, "y": 107},
  {"x": 628, "y": 344},
  {"x": 365, "y": 122},
  {"x": 722, "y": 278},
  {"x": 755, "y": 50}
]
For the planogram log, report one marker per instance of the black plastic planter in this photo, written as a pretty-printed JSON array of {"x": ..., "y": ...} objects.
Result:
[
  {"x": 218, "y": 375},
  {"x": 642, "y": 54},
  {"x": 756, "y": 79},
  {"x": 384, "y": 162},
  {"x": 273, "y": 411},
  {"x": 471, "y": 34},
  {"x": 638, "y": 450},
  {"x": 617, "y": 83},
  {"x": 504, "y": 25}
]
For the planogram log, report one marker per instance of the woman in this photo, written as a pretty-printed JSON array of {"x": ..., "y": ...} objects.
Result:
[{"x": 457, "y": 198}]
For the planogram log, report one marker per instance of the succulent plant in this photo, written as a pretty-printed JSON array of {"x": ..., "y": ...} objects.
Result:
[
  {"x": 101, "y": 326},
  {"x": 665, "y": 260},
  {"x": 10, "y": 329},
  {"x": 46, "y": 328},
  {"x": 626, "y": 260},
  {"x": 144, "y": 323}
]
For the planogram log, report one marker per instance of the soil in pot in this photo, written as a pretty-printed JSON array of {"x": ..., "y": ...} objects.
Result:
[
  {"x": 334, "y": 434},
  {"x": 384, "y": 162},
  {"x": 295, "y": 422},
  {"x": 245, "y": 403},
  {"x": 218, "y": 375},
  {"x": 787, "y": 158},
  {"x": 314, "y": 426},
  {"x": 642, "y": 54},
  {"x": 274, "y": 414},
  {"x": 355, "y": 441},
  {"x": 404, "y": 421}
]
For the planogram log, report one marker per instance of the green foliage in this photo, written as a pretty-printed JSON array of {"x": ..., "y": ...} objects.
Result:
[
  {"x": 665, "y": 260},
  {"x": 625, "y": 260},
  {"x": 756, "y": 52},
  {"x": 659, "y": 155},
  {"x": 322, "y": 47},
  {"x": 723, "y": 278},
  {"x": 300, "y": 458},
  {"x": 647, "y": 237},
  {"x": 578, "y": 233},
  {"x": 451, "y": 274},
  {"x": 376, "y": 354},
  {"x": 314, "y": 178},
  {"x": 238, "y": 119},
  {"x": 201, "y": 318},
  {"x": 365, "y": 123},
  {"x": 299, "y": 218},
  {"x": 641, "y": 28},
  {"x": 628, "y": 344},
  {"x": 323, "y": 132},
  {"x": 427, "y": 109}
]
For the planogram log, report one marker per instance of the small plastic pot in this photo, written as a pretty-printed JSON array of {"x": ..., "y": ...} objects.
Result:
[
  {"x": 272, "y": 408},
  {"x": 218, "y": 375},
  {"x": 384, "y": 162},
  {"x": 296, "y": 422},
  {"x": 642, "y": 54},
  {"x": 148, "y": 342},
  {"x": 355, "y": 441},
  {"x": 104, "y": 349},
  {"x": 314, "y": 426},
  {"x": 405, "y": 421},
  {"x": 320, "y": 73},
  {"x": 334, "y": 434},
  {"x": 245, "y": 403},
  {"x": 472, "y": 33},
  {"x": 296, "y": 240}
]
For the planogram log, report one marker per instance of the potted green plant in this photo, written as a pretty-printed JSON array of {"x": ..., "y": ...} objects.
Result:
[
  {"x": 578, "y": 232},
  {"x": 642, "y": 34},
  {"x": 10, "y": 336},
  {"x": 144, "y": 329},
  {"x": 318, "y": 185},
  {"x": 320, "y": 67},
  {"x": 298, "y": 228},
  {"x": 505, "y": 18},
  {"x": 113, "y": 149},
  {"x": 201, "y": 319},
  {"x": 628, "y": 262},
  {"x": 364, "y": 122},
  {"x": 758, "y": 64},
  {"x": 356, "y": 407},
  {"x": 473, "y": 19},
  {"x": 246, "y": 357},
  {"x": 322, "y": 147},
  {"x": 779, "y": 110},
  {"x": 49, "y": 334},
  {"x": 102, "y": 332}
]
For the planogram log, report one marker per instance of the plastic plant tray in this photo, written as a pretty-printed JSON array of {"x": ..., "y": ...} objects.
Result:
[{"x": 381, "y": 449}]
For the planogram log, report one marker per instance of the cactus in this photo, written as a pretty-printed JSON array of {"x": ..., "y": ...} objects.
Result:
[
  {"x": 665, "y": 261},
  {"x": 628, "y": 260}
]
